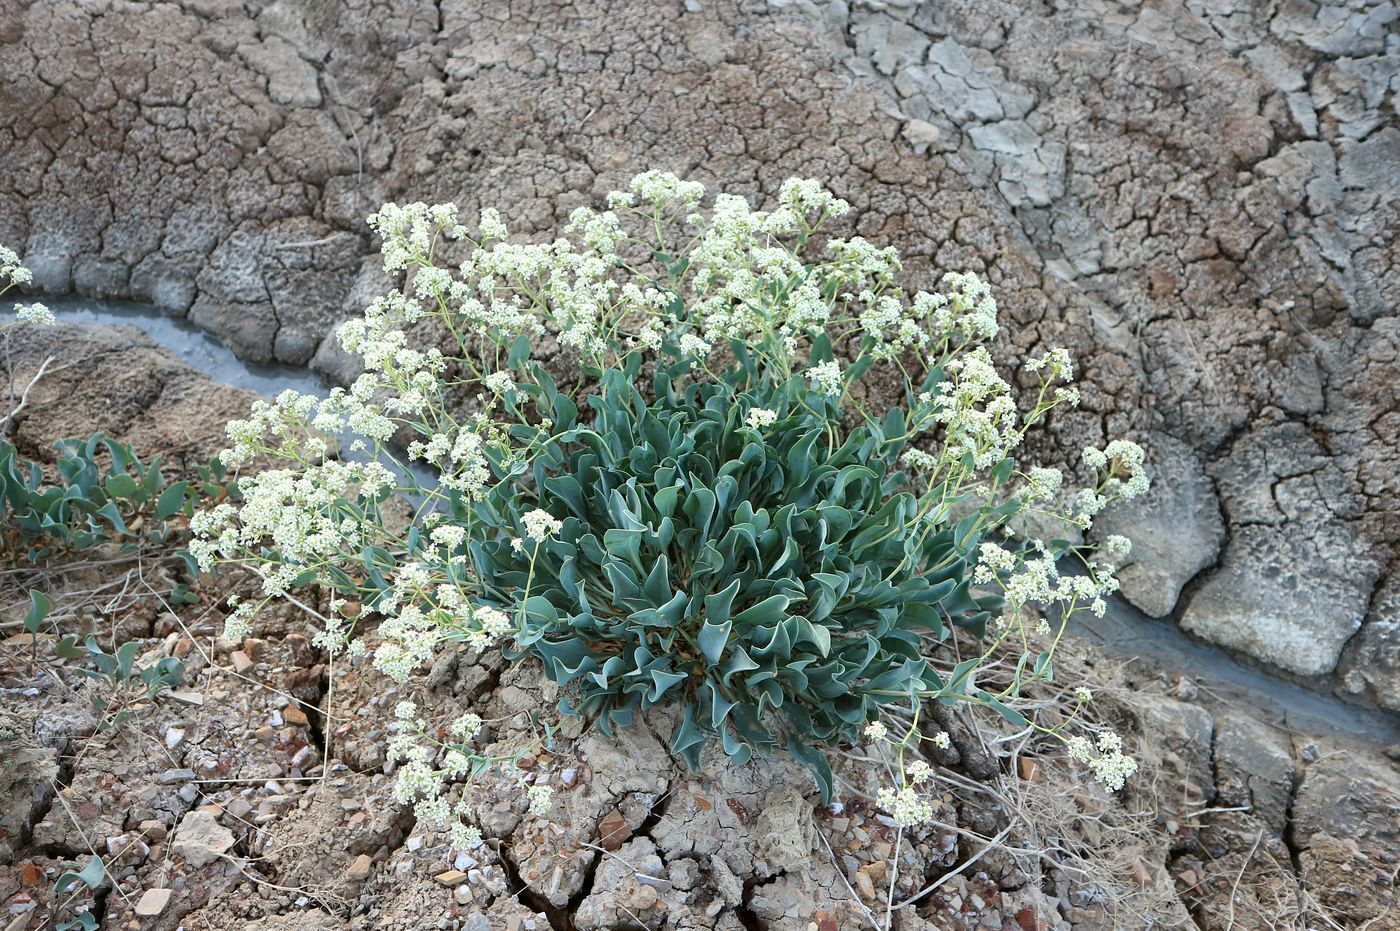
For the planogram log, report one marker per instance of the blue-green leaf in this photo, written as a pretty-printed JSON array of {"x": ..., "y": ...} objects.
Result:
[
  {"x": 171, "y": 500},
  {"x": 712, "y": 639},
  {"x": 39, "y": 608}
]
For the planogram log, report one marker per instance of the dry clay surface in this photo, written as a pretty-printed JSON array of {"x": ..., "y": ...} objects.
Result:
[{"x": 1198, "y": 198}]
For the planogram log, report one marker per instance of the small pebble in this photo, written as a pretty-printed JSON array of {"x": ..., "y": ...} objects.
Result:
[
  {"x": 451, "y": 877},
  {"x": 152, "y": 903}
]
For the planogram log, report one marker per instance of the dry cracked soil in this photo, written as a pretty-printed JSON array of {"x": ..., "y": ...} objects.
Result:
[{"x": 1198, "y": 198}]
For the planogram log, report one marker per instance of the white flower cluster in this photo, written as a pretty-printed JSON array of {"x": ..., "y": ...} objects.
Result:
[
  {"x": 35, "y": 313},
  {"x": 760, "y": 417},
  {"x": 500, "y": 382},
  {"x": 408, "y": 232},
  {"x": 410, "y": 639},
  {"x": 541, "y": 800},
  {"x": 12, "y": 271},
  {"x": 280, "y": 428},
  {"x": 906, "y": 806},
  {"x": 1057, "y": 364},
  {"x": 1105, "y": 759},
  {"x": 1122, "y": 464},
  {"x": 805, "y": 196},
  {"x": 975, "y": 406},
  {"x": 418, "y": 783},
  {"x": 12, "y": 274},
  {"x": 920, "y": 461},
  {"x": 663, "y": 190},
  {"x": 488, "y": 625},
  {"x": 993, "y": 561},
  {"x": 238, "y": 625},
  {"x": 969, "y": 312},
  {"x": 1043, "y": 484},
  {"x": 467, "y": 726},
  {"x": 301, "y": 513},
  {"x": 1038, "y": 581},
  {"x": 826, "y": 377},
  {"x": 964, "y": 316},
  {"x": 540, "y": 525}
]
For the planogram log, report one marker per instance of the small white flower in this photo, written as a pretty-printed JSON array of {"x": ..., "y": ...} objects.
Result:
[
  {"x": 238, "y": 625},
  {"x": 449, "y": 536},
  {"x": 905, "y": 806},
  {"x": 876, "y": 730},
  {"x": 465, "y": 836},
  {"x": 500, "y": 382},
  {"x": 693, "y": 347},
  {"x": 1057, "y": 363},
  {"x": 942, "y": 740},
  {"x": 1106, "y": 760},
  {"x": 540, "y": 525},
  {"x": 826, "y": 377},
  {"x": 1043, "y": 484},
  {"x": 920, "y": 461},
  {"x": 541, "y": 800},
  {"x": 35, "y": 313},
  {"x": 467, "y": 726},
  {"x": 1117, "y": 546},
  {"x": 760, "y": 417},
  {"x": 993, "y": 561},
  {"x": 491, "y": 226}
]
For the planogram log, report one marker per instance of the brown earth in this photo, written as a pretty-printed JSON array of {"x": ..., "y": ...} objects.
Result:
[{"x": 259, "y": 794}]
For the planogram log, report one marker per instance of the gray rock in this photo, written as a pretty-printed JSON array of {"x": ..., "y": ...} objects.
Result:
[
  {"x": 295, "y": 345},
  {"x": 1350, "y": 793},
  {"x": 1275, "y": 65},
  {"x": 201, "y": 839},
  {"x": 1371, "y": 165},
  {"x": 1254, "y": 767},
  {"x": 1370, "y": 665},
  {"x": 334, "y": 362},
  {"x": 247, "y": 329},
  {"x": 1296, "y": 577},
  {"x": 290, "y": 79},
  {"x": 163, "y": 283},
  {"x": 52, "y": 271},
  {"x": 1032, "y": 169},
  {"x": 1290, "y": 596},
  {"x": 1349, "y": 27},
  {"x": 101, "y": 277},
  {"x": 631, "y": 883},
  {"x": 784, "y": 830},
  {"x": 27, "y": 780},
  {"x": 1179, "y": 736}
]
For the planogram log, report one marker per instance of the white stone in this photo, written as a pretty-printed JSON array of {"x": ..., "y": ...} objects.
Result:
[{"x": 201, "y": 839}]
